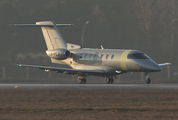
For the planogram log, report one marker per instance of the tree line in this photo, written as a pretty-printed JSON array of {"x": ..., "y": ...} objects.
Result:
[{"x": 150, "y": 26}]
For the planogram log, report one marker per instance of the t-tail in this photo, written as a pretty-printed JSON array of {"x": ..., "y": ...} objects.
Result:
[
  {"x": 57, "y": 46},
  {"x": 53, "y": 37}
]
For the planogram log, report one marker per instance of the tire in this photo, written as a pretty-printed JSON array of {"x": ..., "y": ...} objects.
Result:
[
  {"x": 83, "y": 81},
  {"x": 111, "y": 80},
  {"x": 107, "y": 80},
  {"x": 79, "y": 80},
  {"x": 148, "y": 80}
]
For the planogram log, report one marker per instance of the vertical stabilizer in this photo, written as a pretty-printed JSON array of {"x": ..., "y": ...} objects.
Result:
[{"x": 52, "y": 35}]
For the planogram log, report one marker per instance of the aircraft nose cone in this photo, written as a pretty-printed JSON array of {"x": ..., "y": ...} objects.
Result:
[
  {"x": 149, "y": 65},
  {"x": 153, "y": 66},
  {"x": 156, "y": 68}
]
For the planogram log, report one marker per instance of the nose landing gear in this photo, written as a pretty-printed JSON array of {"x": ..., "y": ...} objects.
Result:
[{"x": 148, "y": 80}]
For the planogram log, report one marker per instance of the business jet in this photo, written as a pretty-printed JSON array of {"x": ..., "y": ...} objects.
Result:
[{"x": 85, "y": 62}]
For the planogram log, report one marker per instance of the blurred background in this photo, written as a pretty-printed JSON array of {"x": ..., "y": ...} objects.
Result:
[{"x": 150, "y": 26}]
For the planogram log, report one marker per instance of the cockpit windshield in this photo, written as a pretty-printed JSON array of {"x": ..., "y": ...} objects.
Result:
[{"x": 137, "y": 56}]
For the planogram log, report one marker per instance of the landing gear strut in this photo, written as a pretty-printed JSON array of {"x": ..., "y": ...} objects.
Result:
[
  {"x": 109, "y": 80},
  {"x": 81, "y": 79}
]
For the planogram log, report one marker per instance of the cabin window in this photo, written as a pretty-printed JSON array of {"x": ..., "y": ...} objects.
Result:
[
  {"x": 95, "y": 56},
  {"x": 91, "y": 55},
  {"x": 101, "y": 56},
  {"x": 86, "y": 55},
  {"x": 107, "y": 56},
  {"x": 112, "y": 56}
]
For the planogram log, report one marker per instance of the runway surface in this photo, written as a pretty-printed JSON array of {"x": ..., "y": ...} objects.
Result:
[{"x": 92, "y": 86}]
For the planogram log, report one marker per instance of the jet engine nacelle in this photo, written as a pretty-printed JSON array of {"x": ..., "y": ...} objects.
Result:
[{"x": 58, "y": 54}]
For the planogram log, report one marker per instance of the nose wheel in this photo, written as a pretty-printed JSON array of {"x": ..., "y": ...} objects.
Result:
[{"x": 148, "y": 80}]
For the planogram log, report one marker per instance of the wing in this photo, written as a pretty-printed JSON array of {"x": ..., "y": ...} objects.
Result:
[
  {"x": 66, "y": 70},
  {"x": 164, "y": 64}
]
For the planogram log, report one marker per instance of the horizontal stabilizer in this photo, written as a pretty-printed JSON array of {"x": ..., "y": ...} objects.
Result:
[
  {"x": 52, "y": 35},
  {"x": 34, "y": 25}
]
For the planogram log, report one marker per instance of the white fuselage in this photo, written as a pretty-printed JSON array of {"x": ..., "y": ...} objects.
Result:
[{"x": 111, "y": 60}]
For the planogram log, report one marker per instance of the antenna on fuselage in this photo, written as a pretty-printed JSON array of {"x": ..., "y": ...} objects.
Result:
[{"x": 102, "y": 47}]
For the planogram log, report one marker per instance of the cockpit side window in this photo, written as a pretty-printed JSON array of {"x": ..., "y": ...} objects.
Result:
[{"x": 137, "y": 56}]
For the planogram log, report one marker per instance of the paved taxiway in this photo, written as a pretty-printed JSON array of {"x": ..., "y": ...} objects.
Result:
[{"x": 92, "y": 86}]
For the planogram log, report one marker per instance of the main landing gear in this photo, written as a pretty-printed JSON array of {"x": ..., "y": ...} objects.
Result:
[
  {"x": 81, "y": 79},
  {"x": 109, "y": 80}
]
